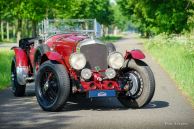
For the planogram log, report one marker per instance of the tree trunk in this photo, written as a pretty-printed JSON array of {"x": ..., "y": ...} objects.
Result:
[
  {"x": 23, "y": 28},
  {"x": 7, "y": 28},
  {"x": 28, "y": 28},
  {"x": 19, "y": 30},
  {"x": 14, "y": 31},
  {"x": 105, "y": 30},
  {"x": 86, "y": 26},
  {"x": 147, "y": 34},
  {"x": 102, "y": 30},
  {"x": 34, "y": 34},
  {"x": 2, "y": 30},
  {"x": 115, "y": 30}
]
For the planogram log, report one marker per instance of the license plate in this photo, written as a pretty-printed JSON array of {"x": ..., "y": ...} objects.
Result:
[{"x": 101, "y": 93}]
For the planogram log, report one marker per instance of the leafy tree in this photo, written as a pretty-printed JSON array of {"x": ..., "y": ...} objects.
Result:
[
  {"x": 27, "y": 13},
  {"x": 119, "y": 20},
  {"x": 88, "y": 9},
  {"x": 157, "y": 16}
]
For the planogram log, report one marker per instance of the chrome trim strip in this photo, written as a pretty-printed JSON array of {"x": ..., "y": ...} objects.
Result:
[{"x": 88, "y": 42}]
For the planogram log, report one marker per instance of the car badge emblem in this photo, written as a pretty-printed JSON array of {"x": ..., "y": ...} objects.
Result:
[
  {"x": 97, "y": 68},
  {"x": 101, "y": 94}
]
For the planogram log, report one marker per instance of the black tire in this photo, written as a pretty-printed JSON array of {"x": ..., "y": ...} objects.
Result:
[
  {"x": 41, "y": 50},
  {"x": 17, "y": 89},
  {"x": 60, "y": 86},
  {"x": 111, "y": 47},
  {"x": 147, "y": 89}
]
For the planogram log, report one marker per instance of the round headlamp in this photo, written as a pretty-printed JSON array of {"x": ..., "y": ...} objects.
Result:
[
  {"x": 86, "y": 73},
  {"x": 110, "y": 73},
  {"x": 115, "y": 60},
  {"x": 77, "y": 61}
]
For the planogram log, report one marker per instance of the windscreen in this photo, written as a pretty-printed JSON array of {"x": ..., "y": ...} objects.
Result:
[{"x": 50, "y": 27}]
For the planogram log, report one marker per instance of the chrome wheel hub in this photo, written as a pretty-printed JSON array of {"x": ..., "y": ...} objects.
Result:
[
  {"x": 133, "y": 84},
  {"x": 46, "y": 85}
]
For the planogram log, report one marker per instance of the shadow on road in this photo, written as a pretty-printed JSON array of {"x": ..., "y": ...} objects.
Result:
[
  {"x": 100, "y": 104},
  {"x": 106, "y": 104},
  {"x": 24, "y": 112},
  {"x": 157, "y": 104},
  {"x": 96, "y": 104}
]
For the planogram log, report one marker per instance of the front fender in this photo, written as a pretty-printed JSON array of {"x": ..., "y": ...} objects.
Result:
[
  {"x": 21, "y": 64},
  {"x": 54, "y": 56},
  {"x": 135, "y": 54},
  {"x": 21, "y": 57}
]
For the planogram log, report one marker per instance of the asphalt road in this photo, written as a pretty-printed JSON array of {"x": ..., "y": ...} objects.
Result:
[{"x": 168, "y": 109}]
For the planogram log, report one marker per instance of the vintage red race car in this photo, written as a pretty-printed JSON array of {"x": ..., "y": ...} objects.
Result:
[{"x": 74, "y": 62}]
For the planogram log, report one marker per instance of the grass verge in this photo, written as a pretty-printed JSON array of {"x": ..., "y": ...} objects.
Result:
[
  {"x": 5, "y": 65},
  {"x": 110, "y": 38},
  {"x": 176, "y": 55}
]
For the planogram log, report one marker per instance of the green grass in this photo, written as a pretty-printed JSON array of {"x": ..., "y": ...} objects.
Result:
[
  {"x": 12, "y": 40},
  {"x": 5, "y": 67},
  {"x": 110, "y": 38},
  {"x": 176, "y": 55}
]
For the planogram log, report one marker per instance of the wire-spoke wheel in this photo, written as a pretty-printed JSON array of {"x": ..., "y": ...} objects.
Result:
[{"x": 52, "y": 86}]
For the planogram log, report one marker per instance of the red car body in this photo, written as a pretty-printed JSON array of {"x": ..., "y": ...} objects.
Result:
[
  {"x": 61, "y": 47},
  {"x": 66, "y": 60}
]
